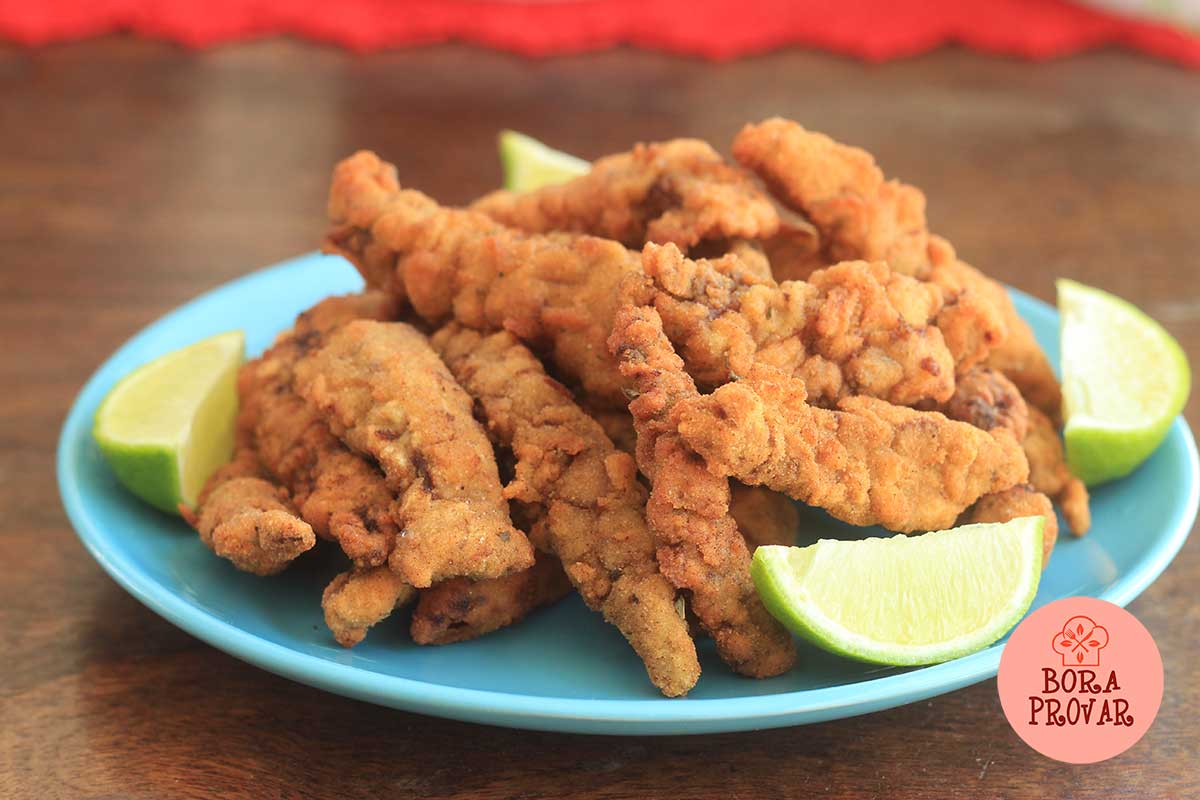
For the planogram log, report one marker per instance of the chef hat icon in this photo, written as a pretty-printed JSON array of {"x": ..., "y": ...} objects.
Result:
[{"x": 1080, "y": 642}]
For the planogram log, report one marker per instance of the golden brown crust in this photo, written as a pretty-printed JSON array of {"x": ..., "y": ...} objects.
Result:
[
  {"x": 990, "y": 330},
  {"x": 1019, "y": 501},
  {"x": 556, "y": 292},
  {"x": 559, "y": 292},
  {"x": 854, "y": 328},
  {"x": 459, "y": 609},
  {"x": 356, "y": 600},
  {"x": 843, "y": 192},
  {"x": 581, "y": 495},
  {"x": 248, "y": 520},
  {"x": 867, "y": 462},
  {"x": 680, "y": 191},
  {"x": 988, "y": 400},
  {"x": 859, "y": 215},
  {"x": 341, "y": 495},
  {"x": 387, "y": 395},
  {"x": 699, "y": 547}
]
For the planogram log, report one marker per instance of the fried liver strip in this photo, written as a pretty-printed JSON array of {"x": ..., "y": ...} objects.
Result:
[
  {"x": 356, "y": 600},
  {"x": 988, "y": 400},
  {"x": 556, "y": 292},
  {"x": 247, "y": 520},
  {"x": 762, "y": 516},
  {"x": 559, "y": 292},
  {"x": 854, "y": 328},
  {"x": 340, "y": 494},
  {"x": 581, "y": 495},
  {"x": 278, "y": 438},
  {"x": 699, "y": 547},
  {"x": 859, "y": 215},
  {"x": 681, "y": 191},
  {"x": 867, "y": 462},
  {"x": 387, "y": 395},
  {"x": 459, "y": 609}
]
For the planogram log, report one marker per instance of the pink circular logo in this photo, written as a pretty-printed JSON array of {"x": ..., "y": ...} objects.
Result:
[{"x": 1080, "y": 680}]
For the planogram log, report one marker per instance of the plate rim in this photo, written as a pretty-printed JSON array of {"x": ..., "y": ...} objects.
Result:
[{"x": 651, "y": 715}]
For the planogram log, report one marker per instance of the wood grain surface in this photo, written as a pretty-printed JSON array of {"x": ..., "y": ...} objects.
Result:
[{"x": 134, "y": 175}]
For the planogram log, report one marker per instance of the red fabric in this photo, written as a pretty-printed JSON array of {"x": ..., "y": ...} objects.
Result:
[{"x": 717, "y": 29}]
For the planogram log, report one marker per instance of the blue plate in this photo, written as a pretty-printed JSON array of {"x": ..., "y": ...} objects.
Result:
[{"x": 562, "y": 669}]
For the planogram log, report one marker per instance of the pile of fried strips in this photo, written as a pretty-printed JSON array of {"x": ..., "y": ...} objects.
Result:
[{"x": 620, "y": 384}]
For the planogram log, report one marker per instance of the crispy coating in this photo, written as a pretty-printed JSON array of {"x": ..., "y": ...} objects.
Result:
[
  {"x": 859, "y": 215},
  {"x": 681, "y": 191},
  {"x": 763, "y": 516},
  {"x": 340, "y": 494},
  {"x": 558, "y": 293},
  {"x": 842, "y": 191},
  {"x": 581, "y": 494},
  {"x": 1049, "y": 473},
  {"x": 988, "y": 400},
  {"x": 1021, "y": 500},
  {"x": 867, "y": 462},
  {"x": 356, "y": 600},
  {"x": 751, "y": 257},
  {"x": 247, "y": 520},
  {"x": 854, "y": 328},
  {"x": 387, "y": 395},
  {"x": 983, "y": 307},
  {"x": 699, "y": 547},
  {"x": 459, "y": 609}
]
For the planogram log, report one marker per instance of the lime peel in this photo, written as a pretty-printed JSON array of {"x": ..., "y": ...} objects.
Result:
[
  {"x": 1125, "y": 379},
  {"x": 528, "y": 164},
  {"x": 905, "y": 600},
  {"x": 168, "y": 424}
]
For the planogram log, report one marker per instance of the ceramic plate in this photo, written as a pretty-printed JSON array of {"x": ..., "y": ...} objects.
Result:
[{"x": 562, "y": 669}]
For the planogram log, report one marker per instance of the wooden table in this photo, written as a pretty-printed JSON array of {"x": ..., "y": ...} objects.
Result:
[{"x": 134, "y": 175}]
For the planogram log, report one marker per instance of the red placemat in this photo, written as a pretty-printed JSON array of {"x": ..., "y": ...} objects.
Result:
[{"x": 719, "y": 29}]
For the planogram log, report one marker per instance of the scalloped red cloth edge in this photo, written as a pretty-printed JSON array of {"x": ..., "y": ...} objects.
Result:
[{"x": 718, "y": 29}]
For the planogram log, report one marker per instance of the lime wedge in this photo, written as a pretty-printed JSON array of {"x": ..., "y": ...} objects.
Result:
[
  {"x": 1124, "y": 381},
  {"x": 907, "y": 599},
  {"x": 528, "y": 164},
  {"x": 168, "y": 424}
]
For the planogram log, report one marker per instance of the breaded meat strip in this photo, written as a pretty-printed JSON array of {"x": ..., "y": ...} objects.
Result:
[
  {"x": 557, "y": 292},
  {"x": 460, "y": 609},
  {"x": 356, "y": 600},
  {"x": 699, "y": 547},
  {"x": 248, "y": 520},
  {"x": 681, "y": 191},
  {"x": 1049, "y": 473},
  {"x": 581, "y": 496},
  {"x": 343, "y": 496},
  {"x": 387, "y": 395},
  {"x": 859, "y": 215},
  {"x": 866, "y": 462},
  {"x": 851, "y": 329}
]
